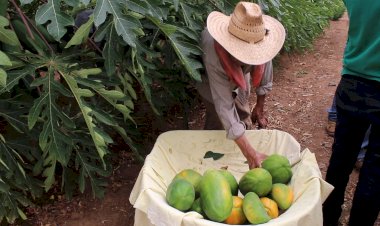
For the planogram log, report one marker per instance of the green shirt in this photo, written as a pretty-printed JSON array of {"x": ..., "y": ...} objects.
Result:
[{"x": 362, "y": 52}]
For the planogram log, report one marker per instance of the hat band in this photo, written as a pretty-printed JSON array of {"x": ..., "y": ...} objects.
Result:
[{"x": 252, "y": 34}]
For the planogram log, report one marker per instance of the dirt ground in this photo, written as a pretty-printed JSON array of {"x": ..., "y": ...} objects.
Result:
[{"x": 304, "y": 85}]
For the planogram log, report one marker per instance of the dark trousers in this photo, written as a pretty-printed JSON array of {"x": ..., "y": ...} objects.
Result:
[{"x": 358, "y": 106}]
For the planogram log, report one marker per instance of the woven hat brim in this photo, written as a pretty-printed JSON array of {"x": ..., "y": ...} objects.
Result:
[{"x": 248, "y": 53}]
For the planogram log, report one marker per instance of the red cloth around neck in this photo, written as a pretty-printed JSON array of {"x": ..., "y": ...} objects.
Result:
[{"x": 234, "y": 70}]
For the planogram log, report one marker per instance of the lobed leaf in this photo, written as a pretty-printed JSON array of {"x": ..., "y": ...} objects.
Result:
[
  {"x": 81, "y": 35},
  {"x": 126, "y": 26},
  {"x": 51, "y": 11},
  {"x": 7, "y": 35}
]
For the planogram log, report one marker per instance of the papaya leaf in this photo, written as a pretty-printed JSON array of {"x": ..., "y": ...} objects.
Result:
[
  {"x": 214, "y": 155},
  {"x": 12, "y": 116},
  {"x": 140, "y": 7},
  {"x": 4, "y": 59},
  {"x": 188, "y": 12},
  {"x": 99, "y": 141},
  {"x": 4, "y": 188},
  {"x": 90, "y": 170},
  {"x": 85, "y": 72},
  {"x": 184, "y": 49},
  {"x": 81, "y": 35},
  {"x": 6, "y": 35},
  {"x": 11, "y": 184},
  {"x": 49, "y": 173},
  {"x": 25, "y": 2},
  {"x": 110, "y": 52},
  {"x": 137, "y": 71},
  {"x": 112, "y": 99},
  {"x": 13, "y": 78},
  {"x": 85, "y": 2},
  {"x": 148, "y": 8},
  {"x": 51, "y": 11},
  {"x": 129, "y": 142},
  {"x": 3, "y": 12},
  {"x": 126, "y": 26},
  {"x": 12, "y": 111},
  {"x": 52, "y": 139},
  {"x": 21, "y": 214},
  {"x": 103, "y": 30},
  {"x": 3, "y": 78}
]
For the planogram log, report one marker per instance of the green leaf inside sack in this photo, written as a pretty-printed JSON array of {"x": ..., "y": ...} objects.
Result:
[{"x": 214, "y": 155}]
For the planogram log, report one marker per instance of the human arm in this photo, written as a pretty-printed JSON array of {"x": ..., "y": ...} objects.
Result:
[
  {"x": 257, "y": 114},
  {"x": 263, "y": 88},
  {"x": 253, "y": 157}
]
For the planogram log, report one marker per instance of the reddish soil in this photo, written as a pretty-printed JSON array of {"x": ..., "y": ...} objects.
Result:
[{"x": 304, "y": 86}]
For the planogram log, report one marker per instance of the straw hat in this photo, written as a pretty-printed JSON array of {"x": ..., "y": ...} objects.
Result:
[{"x": 248, "y": 35}]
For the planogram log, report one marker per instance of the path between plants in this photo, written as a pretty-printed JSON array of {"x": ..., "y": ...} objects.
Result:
[{"x": 304, "y": 85}]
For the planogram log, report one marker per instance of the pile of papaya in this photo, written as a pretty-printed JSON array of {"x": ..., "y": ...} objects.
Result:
[{"x": 264, "y": 192}]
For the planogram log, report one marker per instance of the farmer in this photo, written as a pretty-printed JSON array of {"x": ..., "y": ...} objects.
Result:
[
  {"x": 237, "y": 53},
  {"x": 358, "y": 107}
]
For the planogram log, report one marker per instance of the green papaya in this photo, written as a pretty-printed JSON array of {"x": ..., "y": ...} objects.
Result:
[
  {"x": 279, "y": 167},
  {"x": 216, "y": 197},
  {"x": 256, "y": 180},
  {"x": 191, "y": 176},
  {"x": 197, "y": 206},
  {"x": 254, "y": 209},
  {"x": 231, "y": 180},
  {"x": 180, "y": 194}
]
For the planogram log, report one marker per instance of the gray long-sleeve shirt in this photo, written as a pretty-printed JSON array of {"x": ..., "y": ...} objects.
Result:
[{"x": 217, "y": 88}]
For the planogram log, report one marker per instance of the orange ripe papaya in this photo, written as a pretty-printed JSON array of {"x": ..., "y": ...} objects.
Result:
[
  {"x": 237, "y": 214},
  {"x": 270, "y": 206},
  {"x": 283, "y": 195}
]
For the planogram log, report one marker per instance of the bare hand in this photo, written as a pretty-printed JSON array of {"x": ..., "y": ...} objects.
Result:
[
  {"x": 253, "y": 157},
  {"x": 259, "y": 117}
]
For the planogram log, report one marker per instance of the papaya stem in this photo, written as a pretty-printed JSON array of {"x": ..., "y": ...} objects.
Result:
[
  {"x": 26, "y": 20},
  {"x": 22, "y": 15},
  {"x": 40, "y": 34}
]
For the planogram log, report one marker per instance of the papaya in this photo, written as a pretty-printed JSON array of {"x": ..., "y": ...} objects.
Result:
[
  {"x": 283, "y": 195},
  {"x": 180, "y": 194},
  {"x": 256, "y": 180},
  {"x": 270, "y": 206},
  {"x": 191, "y": 176},
  {"x": 197, "y": 206},
  {"x": 279, "y": 167},
  {"x": 237, "y": 215},
  {"x": 231, "y": 180},
  {"x": 254, "y": 209},
  {"x": 216, "y": 197}
]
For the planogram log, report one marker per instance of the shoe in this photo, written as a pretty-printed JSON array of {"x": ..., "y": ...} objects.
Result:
[{"x": 330, "y": 128}]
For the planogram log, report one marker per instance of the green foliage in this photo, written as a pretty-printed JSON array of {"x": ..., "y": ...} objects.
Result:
[
  {"x": 71, "y": 73},
  {"x": 303, "y": 20}
]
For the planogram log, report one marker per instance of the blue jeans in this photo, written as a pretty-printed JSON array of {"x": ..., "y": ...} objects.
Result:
[
  {"x": 332, "y": 116},
  {"x": 358, "y": 107}
]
